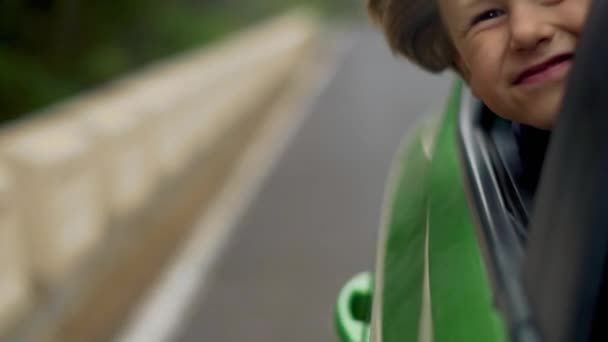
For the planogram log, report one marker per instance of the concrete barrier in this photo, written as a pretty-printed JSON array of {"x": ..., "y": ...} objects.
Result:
[
  {"x": 199, "y": 95},
  {"x": 15, "y": 289},
  {"x": 251, "y": 83},
  {"x": 59, "y": 188},
  {"x": 124, "y": 155},
  {"x": 110, "y": 155}
]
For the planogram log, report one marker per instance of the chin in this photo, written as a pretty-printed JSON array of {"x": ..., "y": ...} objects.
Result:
[
  {"x": 542, "y": 114},
  {"x": 545, "y": 122}
]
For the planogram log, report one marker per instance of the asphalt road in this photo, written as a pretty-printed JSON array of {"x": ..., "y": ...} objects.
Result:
[{"x": 315, "y": 221}]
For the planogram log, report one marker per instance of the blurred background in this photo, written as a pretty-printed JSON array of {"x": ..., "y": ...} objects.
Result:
[
  {"x": 51, "y": 49},
  {"x": 194, "y": 170}
]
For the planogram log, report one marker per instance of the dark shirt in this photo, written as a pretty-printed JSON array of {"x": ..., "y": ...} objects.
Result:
[{"x": 532, "y": 146}]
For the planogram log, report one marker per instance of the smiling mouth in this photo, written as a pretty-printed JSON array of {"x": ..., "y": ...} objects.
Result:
[{"x": 544, "y": 70}]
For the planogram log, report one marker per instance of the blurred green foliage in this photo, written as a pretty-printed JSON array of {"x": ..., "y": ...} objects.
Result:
[{"x": 51, "y": 49}]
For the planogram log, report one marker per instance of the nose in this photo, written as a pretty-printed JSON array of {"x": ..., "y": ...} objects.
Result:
[{"x": 528, "y": 28}]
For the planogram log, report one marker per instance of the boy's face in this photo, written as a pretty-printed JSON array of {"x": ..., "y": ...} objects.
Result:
[{"x": 516, "y": 54}]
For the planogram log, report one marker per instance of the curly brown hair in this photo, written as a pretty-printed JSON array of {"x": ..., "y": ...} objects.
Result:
[{"x": 414, "y": 29}]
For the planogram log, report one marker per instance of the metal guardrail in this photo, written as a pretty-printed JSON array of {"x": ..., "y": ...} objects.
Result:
[{"x": 95, "y": 193}]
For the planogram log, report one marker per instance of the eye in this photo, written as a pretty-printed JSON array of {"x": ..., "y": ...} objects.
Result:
[{"x": 487, "y": 15}]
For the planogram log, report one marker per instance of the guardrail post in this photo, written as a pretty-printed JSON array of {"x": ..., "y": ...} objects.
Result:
[
  {"x": 15, "y": 289},
  {"x": 128, "y": 174},
  {"x": 63, "y": 215}
]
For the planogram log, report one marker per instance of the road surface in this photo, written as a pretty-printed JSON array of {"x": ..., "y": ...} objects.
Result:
[{"x": 314, "y": 222}]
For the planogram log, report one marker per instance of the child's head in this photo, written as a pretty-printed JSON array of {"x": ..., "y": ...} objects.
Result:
[{"x": 514, "y": 54}]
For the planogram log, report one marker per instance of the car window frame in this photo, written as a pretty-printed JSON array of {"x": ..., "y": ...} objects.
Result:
[{"x": 502, "y": 248}]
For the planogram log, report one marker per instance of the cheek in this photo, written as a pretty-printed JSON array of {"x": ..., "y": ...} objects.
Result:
[
  {"x": 487, "y": 79},
  {"x": 485, "y": 65},
  {"x": 573, "y": 14}
]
